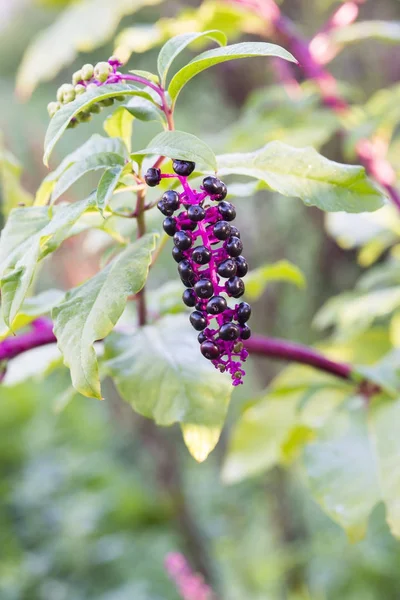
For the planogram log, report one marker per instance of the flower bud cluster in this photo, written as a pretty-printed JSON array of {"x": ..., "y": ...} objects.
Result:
[
  {"x": 87, "y": 78},
  {"x": 208, "y": 249}
]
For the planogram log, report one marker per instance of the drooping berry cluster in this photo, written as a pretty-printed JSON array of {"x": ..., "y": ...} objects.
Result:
[
  {"x": 87, "y": 78},
  {"x": 208, "y": 249}
]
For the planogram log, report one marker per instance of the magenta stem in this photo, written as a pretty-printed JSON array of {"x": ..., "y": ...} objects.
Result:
[{"x": 40, "y": 335}]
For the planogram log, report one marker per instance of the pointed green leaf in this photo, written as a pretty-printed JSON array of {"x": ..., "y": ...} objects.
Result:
[
  {"x": 341, "y": 470},
  {"x": 144, "y": 110},
  {"x": 11, "y": 191},
  {"x": 219, "y": 55},
  {"x": 95, "y": 145},
  {"x": 61, "y": 119},
  {"x": 304, "y": 173},
  {"x": 177, "y": 44},
  {"x": 181, "y": 145},
  {"x": 119, "y": 125},
  {"x": 283, "y": 270},
  {"x": 107, "y": 185},
  {"x": 31, "y": 309},
  {"x": 103, "y": 160},
  {"x": 90, "y": 311},
  {"x": 29, "y": 235},
  {"x": 161, "y": 373}
]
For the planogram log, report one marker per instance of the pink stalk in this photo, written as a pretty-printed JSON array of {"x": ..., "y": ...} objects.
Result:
[{"x": 190, "y": 585}]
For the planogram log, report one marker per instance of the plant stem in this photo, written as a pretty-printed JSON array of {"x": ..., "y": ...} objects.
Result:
[{"x": 141, "y": 230}]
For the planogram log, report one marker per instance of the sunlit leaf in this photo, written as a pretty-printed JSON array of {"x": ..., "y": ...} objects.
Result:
[
  {"x": 258, "y": 279},
  {"x": 119, "y": 125},
  {"x": 12, "y": 192}
]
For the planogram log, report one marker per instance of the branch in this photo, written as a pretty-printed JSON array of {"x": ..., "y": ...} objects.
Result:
[
  {"x": 368, "y": 152},
  {"x": 41, "y": 334}
]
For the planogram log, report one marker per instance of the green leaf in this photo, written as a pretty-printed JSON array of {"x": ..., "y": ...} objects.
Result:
[
  {"x": 90, "y": 311},
  {"x": 161, "y": 373},
  {"x": 384, "y": 31},
  {"x": 95, "y": 145},
  {"x": 180, "y": 145},
  {"x": 283, "y": 270},
  {"x": 341, "y": 470},
  {"x": 305, "y": 173},
  {"x": 103, "y": 160},
  {"x": 107, "y": 185},
  {"x": 82, "y": 27},
  {"x": 11, "y": 191},
  {"x": 177, "y": 44},
  {"x": 31, "y": 309},
  {"x": 147, "y": 75},
  {"x": 119, "y": 125},
  {"x": 385, "y": 373},
  {"x": 29, "y": 235},
  {"x": 384, "y": 416},
  {"x": 144, "y": 110},
  {"x": 220, "y": 55},
  {"x": 61, "y": 119}
]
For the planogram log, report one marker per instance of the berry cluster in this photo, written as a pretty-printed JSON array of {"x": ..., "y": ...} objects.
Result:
[
  {"x": 207, "y": 249},
  {"x": 87, "y": 78}
]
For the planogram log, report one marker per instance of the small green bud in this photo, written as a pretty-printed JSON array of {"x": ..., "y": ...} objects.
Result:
[
  {"x": 79, "y": 89},
  {"x": 83, "y": 117},
  {"x": 66, "y": 93},
  {"x": 52, "y": 108},
  {"x": 102, "y": 70},
  {"x": 107, "y": 102},
  {"x": 76, "y": 77},
  {"x": 95, "y": 108},
  {"x": 120, "y": 98},
  {"x": 87, "y": 72}
]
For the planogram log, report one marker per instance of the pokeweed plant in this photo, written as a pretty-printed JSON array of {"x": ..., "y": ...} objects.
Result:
[{"x": 157, "y": 366}]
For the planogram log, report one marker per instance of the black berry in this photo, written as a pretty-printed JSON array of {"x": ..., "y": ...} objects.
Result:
[
  {"x": 227, "y": 211},
  {"x": 234, "y": 246},
  {"x": 198, "y": 320},
  {"x": 245, "y": 332},
  {"x": 235, "y": 231},
  {"x": 189, "y": 298},
  {"x": 186, "y": 273},
  {"x": 171, "y": 200},
  {"x": 182, "y": 240},
  {"x": 199, "y": 305},
  {"x": 222, "y": 230},
  {"x": 183, "y": 167},
  {"x": 201, "y": 337},
  {"x": 243, "y": 312},
  {"x": 201, "y": 255},
  {"x": 177, "y": 254},
  {"x": 196, "y": 213},
  {"x": 242, "y": 266},
  {"x": 169, "y": 225},
  {"x": 162, "y": 207},
  {"x": 234, "y": 287},
  {"x": 209, "y": 350},
  {"x": 216, "y": 305},
  {"x": 227, "y": 268},
  {"x": 204, "y": 288},
  {"x": 152, "y": 177},
  {"x": 215, "y": 187},
  {"x": 229, "y": 332}
]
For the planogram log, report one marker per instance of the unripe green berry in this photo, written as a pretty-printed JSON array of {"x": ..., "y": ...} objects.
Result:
[
  {"x": 120, "y": 98},
  {"x": 95, "y": 108},
  {"x": 84, "y": 117},
  {"x": 80, "y": 89},
  {"x": 52, "y": 108},
  {"x": 102, "y": 70},
  {"x": 107, "y": 102},
  {"x": 72, "y": 124},
  {"x": 87, "y": 72},
  {"x": 76, "y": 77},
  {"x": 66, "y": 93}
]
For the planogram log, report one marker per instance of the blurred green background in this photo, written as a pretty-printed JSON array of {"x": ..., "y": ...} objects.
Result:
[{"x": 92, "y": 497}]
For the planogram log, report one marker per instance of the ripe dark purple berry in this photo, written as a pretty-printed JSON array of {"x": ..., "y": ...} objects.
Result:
[
  {"x": 201, "y": 337},
  {"x": 209, "y": 350},
  {"x": 200, "y": 305},
  {"x": 198, "y": 320},
  {"x": 171, "y": 200},
  {"x": 234, "y": 246},
  {"x": 201, "y": 255},
  {"x": 163, "y": 208},
  {"x": 183, "y": 167},
  {"x": 152, "y": 177},
  {"x": 169, "y": 225},
  {"x": 242, "y": 266},
  {"x": 182, "y": 240},
  {"x": 196, "y": 213},
  {"x": 229, "y": 332},
  {"x": 234, "y": 287},
  {"x": 189, "y": 298},
  {"x": 186, "y": 273},
  {"x": 243, "y": 312},
  {"x": 235, "y": 231},
  {"x": 177, "y": 254},
  {"x": 216, "y": 305},
  {"x": 227, "y": 268},
  {"x": 245, "y": 332},
  {"x": 215, "y": 187},
  {"x": 222, "y": 230},
  {"x": 204, "y": 288},
  {"x": 227, "y": 211}
]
